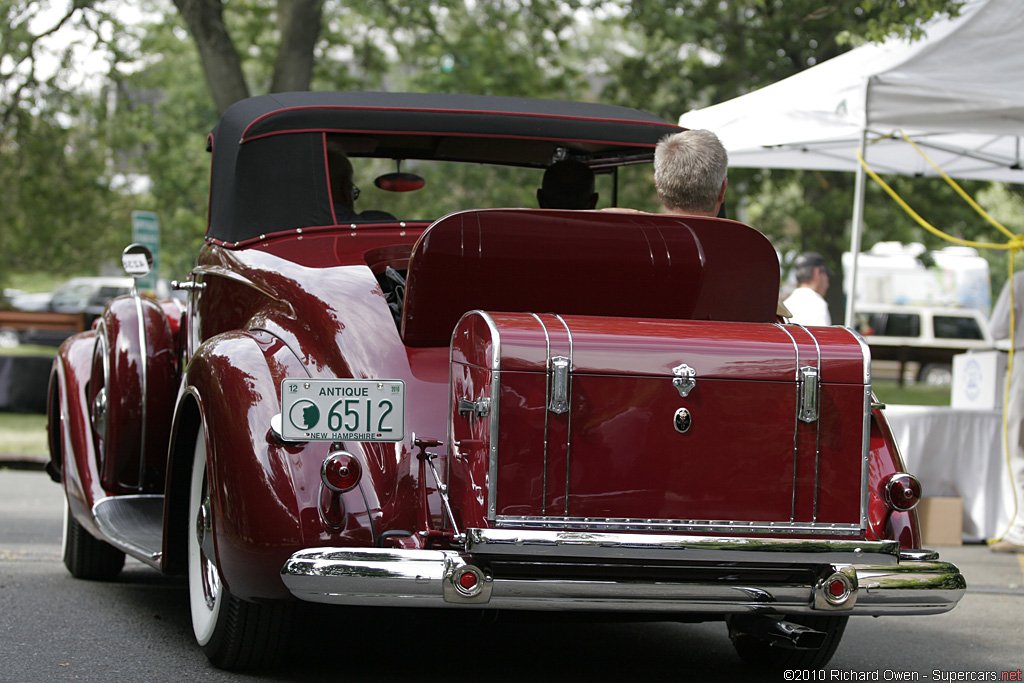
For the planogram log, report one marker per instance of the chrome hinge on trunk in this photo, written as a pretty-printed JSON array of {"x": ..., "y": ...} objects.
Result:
[{"x": 809, "y": 392}]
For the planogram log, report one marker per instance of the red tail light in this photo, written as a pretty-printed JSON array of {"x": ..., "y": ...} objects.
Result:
[
  {"x": 902, "y": 491},
  {"x": 341, "y": 472}
]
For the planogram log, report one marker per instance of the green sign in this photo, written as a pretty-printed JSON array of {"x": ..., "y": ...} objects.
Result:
[{"x": 146, "y": 231}]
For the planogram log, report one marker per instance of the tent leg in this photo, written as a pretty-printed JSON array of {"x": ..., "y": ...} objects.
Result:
[{"x": 856, "y": 231}]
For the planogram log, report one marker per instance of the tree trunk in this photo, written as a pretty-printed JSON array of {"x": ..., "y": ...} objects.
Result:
[
  {"x": 223, "y": 68},
  {"x": 299, "y": 24}
]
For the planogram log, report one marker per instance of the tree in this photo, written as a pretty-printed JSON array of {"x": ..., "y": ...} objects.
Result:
[
  {"x": 676, "y": 55},
  {"x": 58, "y": 198}
]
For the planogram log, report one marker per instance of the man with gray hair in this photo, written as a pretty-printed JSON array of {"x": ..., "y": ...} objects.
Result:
[
  {"x": 690, "y": 177},
  {"x": 690, "y": 173}
]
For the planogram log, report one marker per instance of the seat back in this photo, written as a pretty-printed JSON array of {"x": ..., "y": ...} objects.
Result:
[{"x": 598, "y": 263}]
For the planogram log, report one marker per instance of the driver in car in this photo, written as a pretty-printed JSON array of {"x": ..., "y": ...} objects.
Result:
[{"x": 344, "y": 192}]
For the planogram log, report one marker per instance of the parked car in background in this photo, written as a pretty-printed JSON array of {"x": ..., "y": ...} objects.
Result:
[
  {"x": 88, "y": 295},
  {"x": 920, "y": 341},
  {"x": 581, "y": 412},
  {"x": 84, "y": 296}
]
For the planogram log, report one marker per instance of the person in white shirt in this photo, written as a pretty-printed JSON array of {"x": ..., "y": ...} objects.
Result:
[
  {"x": 1013, "y": 540},
  {"x": 807, "y": 302}
]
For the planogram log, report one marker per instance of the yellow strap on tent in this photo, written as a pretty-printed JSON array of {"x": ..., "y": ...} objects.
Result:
[{"x": 1013, "y": 244}]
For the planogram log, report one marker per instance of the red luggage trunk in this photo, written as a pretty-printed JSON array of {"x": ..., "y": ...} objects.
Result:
[{"x": 624, "y": 424}]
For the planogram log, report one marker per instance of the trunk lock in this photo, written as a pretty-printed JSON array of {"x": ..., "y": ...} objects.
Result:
[
  {"x": 682, "y": 420},
  {"x": 685, "y": 380}
]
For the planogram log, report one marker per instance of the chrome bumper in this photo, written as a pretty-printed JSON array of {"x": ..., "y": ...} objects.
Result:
[{"x": 912, "y": 582}]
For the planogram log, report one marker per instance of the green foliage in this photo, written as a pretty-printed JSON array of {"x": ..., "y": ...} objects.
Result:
[
  {"x": 62, "y": 146},
  {"x": 684, "y": 54},
  {"x": 167, "y": 112}
]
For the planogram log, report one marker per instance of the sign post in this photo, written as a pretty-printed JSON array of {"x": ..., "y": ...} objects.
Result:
[{"x": 146, "y": 231}]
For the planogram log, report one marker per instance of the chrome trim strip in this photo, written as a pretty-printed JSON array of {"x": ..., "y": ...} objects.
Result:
[
  {"x": 573, "y": 524},
  {"x": 865, "y": 457},
  {"x": 817, "y": 434},
  {"x": 547, "y": 399},
  {"x": 103, "y": 349},
  {"x": 866, "y": 435},
  {"x": 568, "y": 444},
  {"x": 505, "y": 542},
  {"x": 407, "y": 577},
  {"x": 492, "y": 470},
  {"x": 220, "y": 271},
  {"x": 796, "y": 418},
  {"x": 450, "y": 446},
  {"x": 144, "y": 379},
  {"x": 866, "y": 351}
]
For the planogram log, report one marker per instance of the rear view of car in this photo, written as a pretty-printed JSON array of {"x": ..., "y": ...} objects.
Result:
[{"x": 503, "y": 408}]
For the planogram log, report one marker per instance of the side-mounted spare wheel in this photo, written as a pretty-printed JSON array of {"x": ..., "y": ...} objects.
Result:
[{"x": 233, "y": 633}]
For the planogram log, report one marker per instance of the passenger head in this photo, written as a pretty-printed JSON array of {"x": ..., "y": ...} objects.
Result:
[
  {"x": 339, "y": 171},
  {"x": 568, "y": 184},
  {"x": 690, "y": 172}
]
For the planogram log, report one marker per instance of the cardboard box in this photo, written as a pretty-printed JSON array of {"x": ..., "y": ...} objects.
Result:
[
  {"x": 978, "y": 380},
  {"x": 942, "y": 520}
]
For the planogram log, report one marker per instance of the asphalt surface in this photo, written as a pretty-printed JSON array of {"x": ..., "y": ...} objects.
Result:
[{"x": 56, "y": 628}]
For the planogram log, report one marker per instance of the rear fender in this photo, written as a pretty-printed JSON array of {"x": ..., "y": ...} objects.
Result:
[
  {"x": 884, "y": 461},
  {"x": 265, "y": 493},
  {"x": 131, "y": 395}
]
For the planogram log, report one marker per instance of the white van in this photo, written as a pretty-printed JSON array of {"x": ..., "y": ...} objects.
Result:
[{"x": 919, "y": 342}]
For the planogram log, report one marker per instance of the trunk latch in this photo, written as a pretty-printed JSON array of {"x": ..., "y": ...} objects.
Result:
[
  {"x": 808, "y": 394},
  {"x": 559, "y": 402},
  {"x": 685, "y": 380}
]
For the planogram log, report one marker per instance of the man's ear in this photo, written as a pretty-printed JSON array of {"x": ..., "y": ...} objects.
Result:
[{"x": 721, "y": 193}]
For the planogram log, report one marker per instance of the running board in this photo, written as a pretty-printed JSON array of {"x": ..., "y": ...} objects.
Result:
[{"x": 134, "y": 524}]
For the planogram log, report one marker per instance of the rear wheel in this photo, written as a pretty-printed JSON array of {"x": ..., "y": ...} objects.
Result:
[
  {"x": 233, "y": 633},
  {"x": 85, "y": 556},
  {"x": 757, "y": 652}
]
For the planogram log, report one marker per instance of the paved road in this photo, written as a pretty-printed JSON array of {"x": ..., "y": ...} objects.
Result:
[{"x": 55, "y": 628}]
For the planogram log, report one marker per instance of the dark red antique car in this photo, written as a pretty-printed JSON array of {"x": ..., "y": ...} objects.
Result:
[{"x": 506, "y": 408}]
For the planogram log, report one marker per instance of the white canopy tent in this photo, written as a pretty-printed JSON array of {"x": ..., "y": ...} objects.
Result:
[{"x": 958, "y": 93}]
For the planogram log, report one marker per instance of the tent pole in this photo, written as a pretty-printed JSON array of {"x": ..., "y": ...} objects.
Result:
[{"x": 856, "y": 229}]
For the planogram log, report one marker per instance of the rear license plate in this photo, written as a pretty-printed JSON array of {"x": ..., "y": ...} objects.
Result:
[{"x": 343, "y": 409}]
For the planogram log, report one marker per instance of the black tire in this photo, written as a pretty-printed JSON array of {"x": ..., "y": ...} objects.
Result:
[
  {"x": 85, "y": 556},
  {"x": 234, "y": 634},
  {"x": 759, "y": 653}
]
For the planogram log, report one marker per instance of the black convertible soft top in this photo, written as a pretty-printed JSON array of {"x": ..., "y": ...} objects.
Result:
[{"x": 269, "y": 171}]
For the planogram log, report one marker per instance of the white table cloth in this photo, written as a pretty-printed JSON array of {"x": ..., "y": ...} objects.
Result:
[{"x": 957, "y": 452}]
